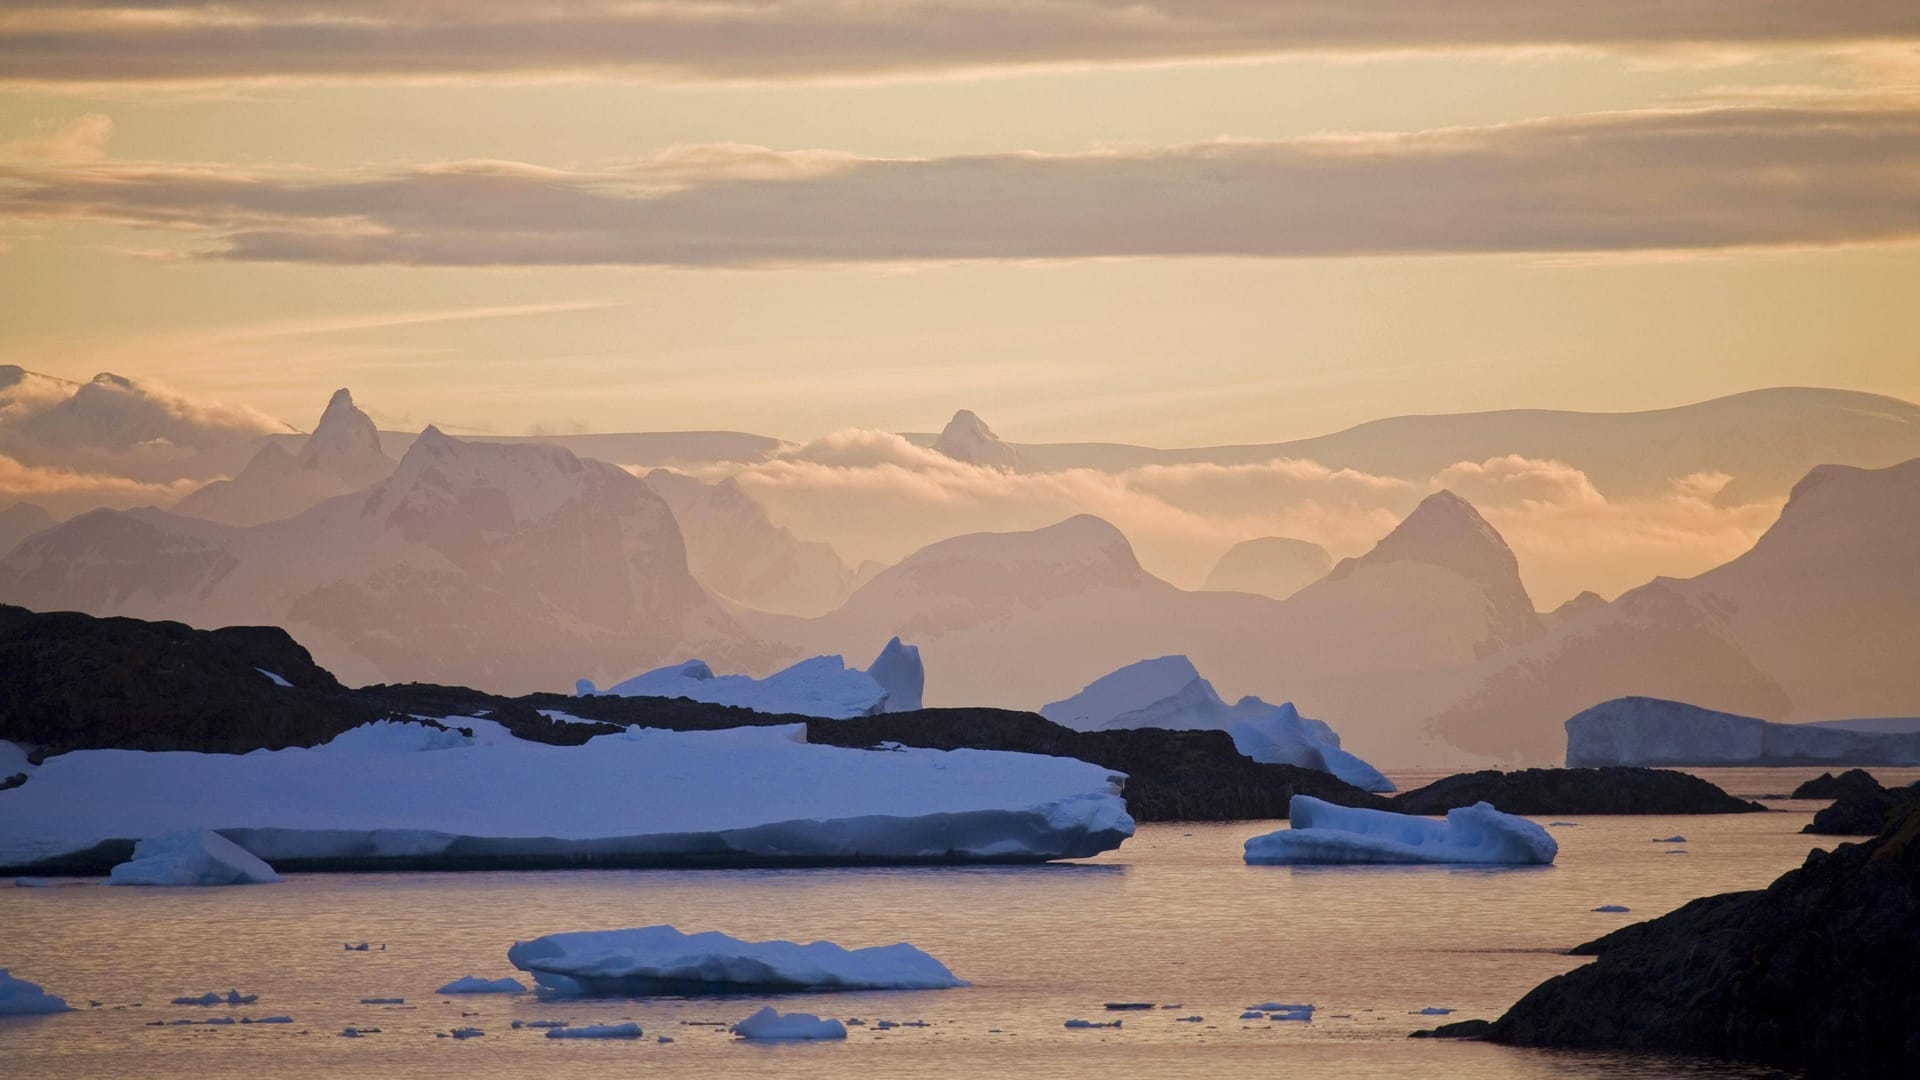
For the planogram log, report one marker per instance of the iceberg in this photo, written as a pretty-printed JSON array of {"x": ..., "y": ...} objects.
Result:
[
  {"x": 191, "y": 857},
  {"x": 657, "y": 960},
  {"x": 823, "y": 686},
  {"x": 1168, "y": 692},
  {"x": 1475, "y": 835},
  {"x": 1652, "y": 731},
  {"x": 596, "y": 1031},
  {"x": 474, "y": 984},
  {"x": 770, "y": 1026},
  {"x": 641, "y": 797},
  {"x": 18, "y": 997}
]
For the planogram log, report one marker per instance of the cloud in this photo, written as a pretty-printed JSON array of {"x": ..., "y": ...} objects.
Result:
[
  {"x": 83, "y": 138},
  {"x": 1706, "y": 179},
  {"x": 874, "y": 495},
  {"x": 62, "y": 489},
  {"x": 105, "y": 41}
]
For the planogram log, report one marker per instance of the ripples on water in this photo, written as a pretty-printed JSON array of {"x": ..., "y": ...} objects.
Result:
[{"x": 1174, "y": 917}]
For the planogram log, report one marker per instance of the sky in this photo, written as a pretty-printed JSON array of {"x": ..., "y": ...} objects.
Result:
[{"x": 1192, "y": 223}]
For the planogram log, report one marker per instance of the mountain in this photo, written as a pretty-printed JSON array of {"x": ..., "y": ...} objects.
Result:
[
  {"x": 1275, "y": 566},
  {"x": 19, "y": 521},
  {"x": 24, "y": 393},
  {"x": 968, "y": 438},
  {"x": 112, "y": 414},
  {"x": 503, "y": 566},
  {"x": 343, "y": 454},
  {"x": 1815, "y": 621},
  {"x": 734, "y": 550}
]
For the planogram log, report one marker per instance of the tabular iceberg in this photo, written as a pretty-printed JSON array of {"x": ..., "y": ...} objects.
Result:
[
  {"x": 18, "y": 997},
  {"x": 191, "y": 857},
  {"x": 823, "y": 686},
  {"x": 1169, "y": 693},
  {"x": 653, "y": 960},
  {"x": 745, "y": 796},
  {"x": 1475, "y": 835},
  {"x": 769, "y": 1026}
]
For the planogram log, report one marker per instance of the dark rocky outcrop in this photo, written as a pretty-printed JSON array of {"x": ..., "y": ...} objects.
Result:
[
  {"x": 1816, "y": 972},
  {"x": 1861, "y": 807},
  {"x": 1614, "y": 790}
]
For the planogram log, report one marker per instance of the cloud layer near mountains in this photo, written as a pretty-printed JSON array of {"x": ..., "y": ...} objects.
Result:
[
  {"x": 1684, "y": 179},
  {"x": 875, "y": 495},
  {"x": 180, "y": 40}
]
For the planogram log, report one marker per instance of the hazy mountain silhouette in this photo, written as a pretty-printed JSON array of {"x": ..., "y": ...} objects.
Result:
[
  {"x": 734, "y": 550},
  {"x": 1275, "y": 566},
  {"x": 19, "y": 521},
  {"x": 341, "y": 455}
]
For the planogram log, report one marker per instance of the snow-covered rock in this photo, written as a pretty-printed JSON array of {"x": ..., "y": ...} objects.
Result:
[
  {"x": 13, "y": 760},
  {"x": 1324, "y": 833},
  {"x": 394, "y": 737},
  {"x": 474, "y": 984},
  {"x": 770, "y": 1026},
  {"x": 822, "y": 686},
  {"x": 191, "y": 857},
  {"x": 653, "y": 960},
  {"x": 18, "y": 997},
  {"x": 639, "y": 797},
  {"x": 1169, "y": 693}
]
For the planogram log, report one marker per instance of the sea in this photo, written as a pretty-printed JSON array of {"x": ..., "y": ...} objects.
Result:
[{"x": 1173, "y": 920}]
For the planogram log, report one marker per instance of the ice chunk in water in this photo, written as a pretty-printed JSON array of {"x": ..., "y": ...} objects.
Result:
[{"x": 769, "y": 1025}]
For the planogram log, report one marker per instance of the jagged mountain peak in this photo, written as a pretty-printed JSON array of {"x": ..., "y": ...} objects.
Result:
[
  {"x": 1444, "y": 530},
  {"x": 968, "y": 438},
  {"x": 346, "y": 442}
]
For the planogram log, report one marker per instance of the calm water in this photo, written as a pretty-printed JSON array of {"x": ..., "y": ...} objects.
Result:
[{"x": 1174, "y": 918}]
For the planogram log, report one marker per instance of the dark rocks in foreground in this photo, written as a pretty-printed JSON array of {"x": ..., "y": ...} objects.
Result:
[
  {"x": 1861, "y": 807},
  {"x": 1617, "y": 789},
  {"x": 1817, "y": 971}
]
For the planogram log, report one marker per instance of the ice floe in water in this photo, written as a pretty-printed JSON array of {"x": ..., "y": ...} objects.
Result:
[
  {"x": 1169, "y": 693},
  {"x": 1081, "y": 1024},
  {"x": 662, "y": 960},
  {"x": 822, "y": 686},
  {"x": 1612, "y": 909},
  {"x": 636, "y": 796},
  {"x": 191, "y": 857},
  {"x": 1323, "y": 833},
  {"x": 771, "y": 1026},
  {"x": 18, "y": 997},
  {"x": 231, "y": 997},
  {"x": 474, "y": 984},
  {"x": 596, "y": 1031}
]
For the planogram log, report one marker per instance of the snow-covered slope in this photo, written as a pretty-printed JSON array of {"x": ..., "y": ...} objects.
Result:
[
  {"x": 744, "y": 795},
  {"x": 821, "y": 686},
  {"x": 968, "y": 438},
  {"x": 1275, "y": 566},
  {"x": 736, "y": 552},
  {"x": 504, "y": 567},
  {"x": 342, "y": 455},
  {"x": 1169, "y": 693}
]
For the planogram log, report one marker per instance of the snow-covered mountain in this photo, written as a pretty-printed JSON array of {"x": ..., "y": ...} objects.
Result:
[
  {"x": 1817, "y": 620},
  {"x": 1276, "y": 566},
  {"x": 734, "y": 550},
  {"x": 19, "y": 521},
  {"x": 112, "y": 418},
  {"x": 508, "y": 567},
  {"x": 968, "y": 438},
  {"x": 343, "y": 454}
]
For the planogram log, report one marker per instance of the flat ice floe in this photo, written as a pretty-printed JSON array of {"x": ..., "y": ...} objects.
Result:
[
  {"x": 1324, "y": 833},
  {"x": 661, "y": 960},
  {"x": 191, "y": 857},
  {"x": 1169, "y": 693},
  {"x": 768, "y": 1025},
  {"x": 760, "y": 796},
  {"x": 18, "y": 997},
  {"x": 823, "y": 686},
  {"x": 474, "y": 984}
]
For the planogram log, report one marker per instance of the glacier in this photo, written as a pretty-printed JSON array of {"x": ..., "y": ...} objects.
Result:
[
  {"x": 1323, "y": 833},
  {"x": 387, "y": 798},
  {"x": 661, "y": 960},
  {"x": 769, "y": 1025},
  {"x": 1168, "y": 692},
  {"x": 191, "y": 857},
  {"x": 822, "y": 686},
  {"x": 18, "y": 997}
]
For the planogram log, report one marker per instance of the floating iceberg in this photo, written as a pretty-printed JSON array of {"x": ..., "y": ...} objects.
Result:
[
  {"x": 653, "y": 960},
  {"x": 231, "y": 997},
  {"x": 769, "y": 1026},
  {"x": 1324, "y": 833},
  {"x": 1169, "y": 693},
  {"x": 191, "y": 857},
  {"x": 474, "y": 984},
  {"x": 18, "y": 997},
  {"x": 596, "y": 1031},
  {"x": 823, "y": 686},
  {"x": 744, "y": 796}
]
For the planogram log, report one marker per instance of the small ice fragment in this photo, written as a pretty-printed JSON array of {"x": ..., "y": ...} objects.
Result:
[
  {"x": 1669, "y": 839},
  {"x": 383, "y": 1001},
  {"x": 221, "y": 1020},
  {"x": 769, "y": 1025},
  {"x": 1117, "y": 1006},
  {"x": 1563, "y": 824},
  {"x": 664, "y": 1039},
  {"x": 886, "y": 1025},
  {"x": 467, "y": 1033},
  {"x": 1092, "y": 1024},
  {"x": 596, "y": 1031},
  {"x": 1433, "y": 1010},
  {"x": 269, "y": 1020},
  {"x": 1611, "y": 909},
  {"x": 1252, "y": 1014},
  {"x": 1188, "y": 1019},
  {"x": 474, "y": 984},
  {"x": 362, "y": 947}
]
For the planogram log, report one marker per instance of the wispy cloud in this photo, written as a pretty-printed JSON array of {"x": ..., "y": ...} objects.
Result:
[
  {"x": 1705, "y": 178},
  {"x": 107, "y": 41}
]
